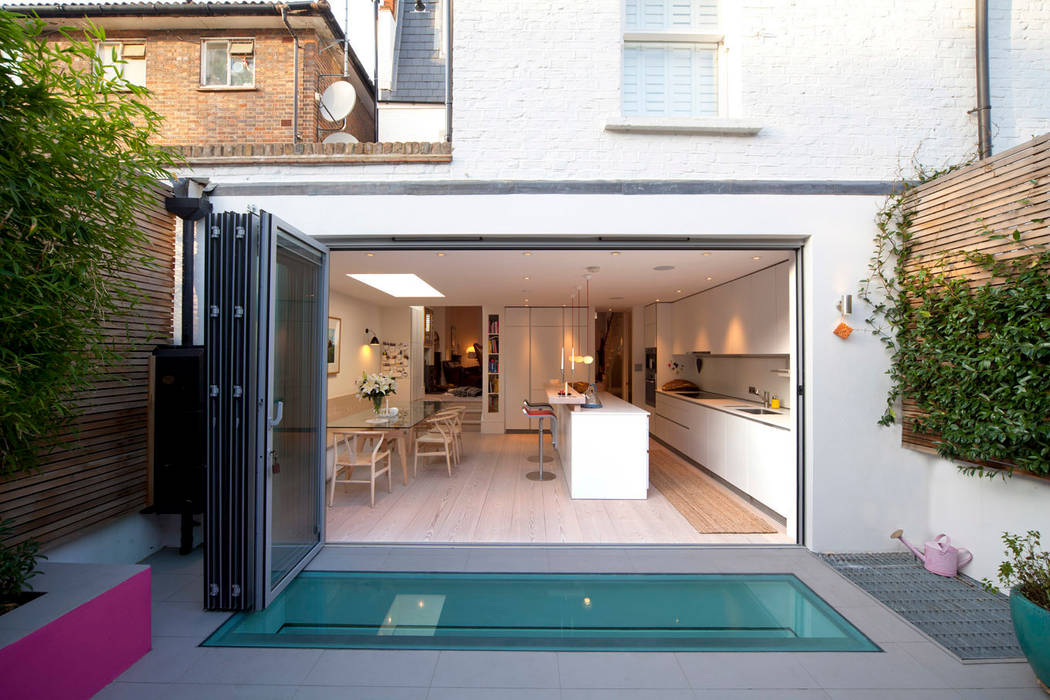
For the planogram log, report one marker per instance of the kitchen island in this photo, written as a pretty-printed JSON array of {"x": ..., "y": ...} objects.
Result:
[{"x": 604, "y": 451}]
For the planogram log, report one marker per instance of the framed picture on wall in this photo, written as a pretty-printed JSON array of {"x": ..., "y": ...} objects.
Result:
[{"x": 334, "y": 344}]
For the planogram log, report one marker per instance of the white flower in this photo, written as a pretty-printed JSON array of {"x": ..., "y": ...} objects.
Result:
[{"x": 375, "y": 385}]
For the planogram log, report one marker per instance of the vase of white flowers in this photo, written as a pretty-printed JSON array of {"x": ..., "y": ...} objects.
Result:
[{"x": 376, "y": 387}]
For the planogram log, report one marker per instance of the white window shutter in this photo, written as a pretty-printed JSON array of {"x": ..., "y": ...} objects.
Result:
[
  {"x": 663, "y": 15},
  {"x": 705, "y": 81},
  {"x": 680, "y": 81},
  {"x": 654, "y": 81},
  {"x": 632, "y": 80}
]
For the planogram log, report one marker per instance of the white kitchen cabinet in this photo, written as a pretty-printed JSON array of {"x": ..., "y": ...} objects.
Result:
[
  {"x": 771, "y": 467},
  {"x": 782, "y": 294},
  {"x": 546, "y": 316},
  {"x": 738, "y": 437},
  {"x": 748, "y": 316},
  {"x": 649, "y": 318},
  {"x": 516, "y": 316},
  {"x": 700, "y": 420},
  {"x": 544, "y": 359},
  {"x": 514, "y": 361},
  {"x": 756, "y": 458},
  {"x": 717, "y": 426}
]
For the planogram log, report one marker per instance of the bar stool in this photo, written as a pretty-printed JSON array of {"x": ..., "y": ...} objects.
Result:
[{"x": 541, "y": 411}]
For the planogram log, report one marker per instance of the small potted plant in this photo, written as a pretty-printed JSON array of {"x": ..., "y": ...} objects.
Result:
[
  {"x": 1026, "y": 572},
  {"x": 17, "y": 566},
  {"x": 376, "y": 387}
]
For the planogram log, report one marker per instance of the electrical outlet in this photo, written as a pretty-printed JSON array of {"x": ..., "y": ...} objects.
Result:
[{"x": 751, "y": 390}]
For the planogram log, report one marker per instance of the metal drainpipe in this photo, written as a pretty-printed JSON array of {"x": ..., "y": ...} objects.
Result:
[
  {"x": 448, "y": 70},
  {"x": 295, "y": 74},
  {"x": 984, "y": 107},
  {"x": 375, "y": 71}
]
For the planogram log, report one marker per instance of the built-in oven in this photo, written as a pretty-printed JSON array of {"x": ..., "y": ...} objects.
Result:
[{"x": 650, "y": 376}]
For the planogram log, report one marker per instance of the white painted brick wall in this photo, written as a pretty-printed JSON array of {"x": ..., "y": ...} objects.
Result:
[{"x": 843, "y": 90}]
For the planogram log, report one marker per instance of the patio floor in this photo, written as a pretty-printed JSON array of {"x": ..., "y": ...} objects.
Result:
[{"x": 910, "y": 667}]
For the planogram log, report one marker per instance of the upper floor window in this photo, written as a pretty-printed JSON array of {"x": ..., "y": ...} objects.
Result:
[
  {"x": 670, "y": 58},
  {"x": 123, "y": 60},
  {"x": 227, "y": 63}
]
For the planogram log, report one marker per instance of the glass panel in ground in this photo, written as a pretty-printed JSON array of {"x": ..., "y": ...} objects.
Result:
[{"x": 565, "y": 612}]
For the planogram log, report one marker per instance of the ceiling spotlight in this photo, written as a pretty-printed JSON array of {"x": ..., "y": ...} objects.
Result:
[
  {"x": 420, "y": 6},
  {"x": 526, "y": 254},
  {"x": 526, "y": 300},
  {"x": 371, "y": 255},
  {"x": 706, "y": 254},
  {"x": 658, "y": 300},
  {"x": 526, "y": 277},
  {"x": 756, "y": 257},
  {"x": 615, "y": 252},
  {"x": 708, "y": 279},
  {"x": 441, "y": 255}
]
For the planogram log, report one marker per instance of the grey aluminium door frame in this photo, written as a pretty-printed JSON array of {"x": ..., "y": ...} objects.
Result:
[
  {"x": 619, "y": 242},
  {"x": 270, "y": 228}
]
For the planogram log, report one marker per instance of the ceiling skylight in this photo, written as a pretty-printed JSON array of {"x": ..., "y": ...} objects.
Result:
[{"x": 398, "y": 285}]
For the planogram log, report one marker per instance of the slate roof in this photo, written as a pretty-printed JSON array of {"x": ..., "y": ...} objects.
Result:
[{"x": 419, "y": 67}]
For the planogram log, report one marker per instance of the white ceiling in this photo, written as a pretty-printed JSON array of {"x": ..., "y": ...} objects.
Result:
[{"x": 497, "y": 277}]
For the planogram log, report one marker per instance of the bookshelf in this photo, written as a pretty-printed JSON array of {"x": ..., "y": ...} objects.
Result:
[{"x": 492, "y": 364}]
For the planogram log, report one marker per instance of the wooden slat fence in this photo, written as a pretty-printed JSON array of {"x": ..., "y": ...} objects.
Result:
[
  {"x": 955, "y": 212},
  {"x": 99, "y": 470}
]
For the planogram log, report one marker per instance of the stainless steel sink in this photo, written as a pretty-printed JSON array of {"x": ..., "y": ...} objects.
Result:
[{"x": 755, "y": 411}]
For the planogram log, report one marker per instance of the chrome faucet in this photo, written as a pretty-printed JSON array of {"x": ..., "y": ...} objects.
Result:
[{"x": 766, "y": 403}]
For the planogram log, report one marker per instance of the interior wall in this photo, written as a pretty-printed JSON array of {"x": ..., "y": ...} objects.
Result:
[
  {"x": 733, "y": 375},
  {"x": 355, "y": 354}
]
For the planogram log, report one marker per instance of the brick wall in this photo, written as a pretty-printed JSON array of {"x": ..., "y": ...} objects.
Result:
[{"x": 262, "y": 114}]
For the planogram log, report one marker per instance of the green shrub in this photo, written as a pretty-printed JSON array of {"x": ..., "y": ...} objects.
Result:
[
  {"x": 17, "y": 566},
  {"x": 76, "y": 163},
  {"x": 1027, "y": 568},
  {"x": 975, "y": 360}
]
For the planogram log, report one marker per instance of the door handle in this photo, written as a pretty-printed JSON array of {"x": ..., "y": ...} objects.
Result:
[{"x": 280, "y": 414}]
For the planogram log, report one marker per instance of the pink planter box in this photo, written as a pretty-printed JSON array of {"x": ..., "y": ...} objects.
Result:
[{"x": 77, "y": 653}]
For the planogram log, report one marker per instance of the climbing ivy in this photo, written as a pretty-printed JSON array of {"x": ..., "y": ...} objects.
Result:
[{"x": 975, "y": 358}]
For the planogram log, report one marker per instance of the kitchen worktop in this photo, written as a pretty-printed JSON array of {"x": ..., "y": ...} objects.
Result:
[
  {"x": 554, "y": 398},
  {"x": 781, "y": 419}
]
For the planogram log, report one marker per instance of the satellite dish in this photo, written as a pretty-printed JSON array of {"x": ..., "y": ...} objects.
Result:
[
  {"x": 338, "y": 100},
  {"x": 339, "y": 137}
]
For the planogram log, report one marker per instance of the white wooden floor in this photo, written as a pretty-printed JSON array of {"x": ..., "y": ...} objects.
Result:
[{"x": 488, "y": 499}]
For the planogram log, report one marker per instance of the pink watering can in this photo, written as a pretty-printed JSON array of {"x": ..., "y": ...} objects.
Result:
[{"x": 940, "y": 556}]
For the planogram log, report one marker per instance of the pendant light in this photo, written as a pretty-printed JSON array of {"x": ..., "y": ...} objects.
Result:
[{"x": 588, "y": 359}]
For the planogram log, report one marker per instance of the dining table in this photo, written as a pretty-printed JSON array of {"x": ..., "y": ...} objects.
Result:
[{"x": 397, "y": 429}]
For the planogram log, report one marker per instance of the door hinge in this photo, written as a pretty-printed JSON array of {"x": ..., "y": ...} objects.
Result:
[{"x": 799, "y": 393}]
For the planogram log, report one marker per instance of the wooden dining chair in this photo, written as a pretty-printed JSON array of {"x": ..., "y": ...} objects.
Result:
[
  {"x": 455, "y": 416},
  {"x": 439, "y": 441},
  {"x": 356, "y": 446}
]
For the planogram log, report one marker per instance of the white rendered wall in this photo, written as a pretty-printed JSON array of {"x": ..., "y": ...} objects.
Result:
[
  {"x": 842, "y": 91},
  {"x": 400, "y": 121},
  {"x": 127, "y": 540}
]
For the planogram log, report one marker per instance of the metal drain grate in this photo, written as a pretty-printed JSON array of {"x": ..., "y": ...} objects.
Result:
[{"x": 956, "y": 612}]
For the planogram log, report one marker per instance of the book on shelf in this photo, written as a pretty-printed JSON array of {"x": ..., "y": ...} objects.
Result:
[{"x": 493, "y": 345}]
